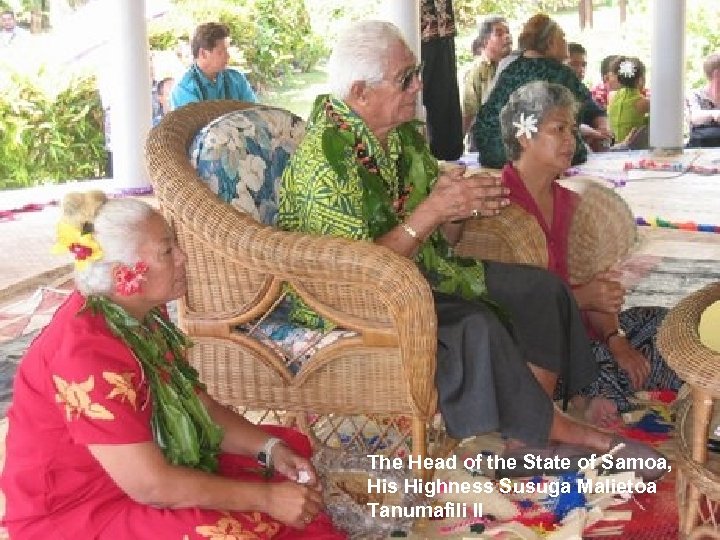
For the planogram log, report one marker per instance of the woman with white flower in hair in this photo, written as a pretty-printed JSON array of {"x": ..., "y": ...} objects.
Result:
[
  {"x": 629, "y": 108},
  {"x": 538, "y": 126},
  {"x": 112, "y": 435}
]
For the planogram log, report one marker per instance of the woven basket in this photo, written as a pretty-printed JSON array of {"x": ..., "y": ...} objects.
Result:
[{"x": 603, "y": 232}]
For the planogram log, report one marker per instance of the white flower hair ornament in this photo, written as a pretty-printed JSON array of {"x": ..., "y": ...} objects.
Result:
[
  {"x": 627, "y": 69},
  {"x": 526, "y": 126}
]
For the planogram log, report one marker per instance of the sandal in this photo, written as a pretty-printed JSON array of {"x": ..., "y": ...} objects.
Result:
[{"x": 541, "y": 460}]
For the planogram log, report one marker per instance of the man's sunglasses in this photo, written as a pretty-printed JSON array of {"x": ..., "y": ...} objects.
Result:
[{"x": 407, "y": 78}]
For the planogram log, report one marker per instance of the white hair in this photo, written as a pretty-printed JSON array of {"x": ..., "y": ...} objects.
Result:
[
  {"x": 116, "y": 229},
  {"x": 361, "y": 55}
]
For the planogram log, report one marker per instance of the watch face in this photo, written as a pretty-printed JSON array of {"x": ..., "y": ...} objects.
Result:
[{"x": 262, "y": 458}]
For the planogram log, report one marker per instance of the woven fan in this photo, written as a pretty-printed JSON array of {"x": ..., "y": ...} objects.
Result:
[{"x": 603, "y": 232}]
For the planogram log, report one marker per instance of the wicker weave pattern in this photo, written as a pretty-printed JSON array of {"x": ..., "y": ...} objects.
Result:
[
  {"x": 603, "y": 231},
  {"x": 513, "y": 236},
  {"x": 680, "y": 344},
  {"x": 236, "y": 270},
  {"x": 698, "y": 487}
]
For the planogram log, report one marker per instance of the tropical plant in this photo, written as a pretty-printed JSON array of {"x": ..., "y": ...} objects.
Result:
[{"x": 50, "y": 138}]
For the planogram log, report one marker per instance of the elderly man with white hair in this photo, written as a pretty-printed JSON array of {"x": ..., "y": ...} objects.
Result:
[{"x": 505, "y": 332}]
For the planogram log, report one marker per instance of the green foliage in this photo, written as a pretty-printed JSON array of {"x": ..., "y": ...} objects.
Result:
[
  {"x": 468, "y": 12},
  {"x": 163, "y": 40},
  {"x": 50, "y": 138},
  {"x": 273, "y": 37},
  {"x": 701, "y": 40}
]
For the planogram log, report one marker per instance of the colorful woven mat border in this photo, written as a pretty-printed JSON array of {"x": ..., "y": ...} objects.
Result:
[{"x": 681, "y": 225}]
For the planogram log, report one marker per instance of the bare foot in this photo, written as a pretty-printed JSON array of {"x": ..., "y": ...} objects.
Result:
[{"x": 602, "y": 412}]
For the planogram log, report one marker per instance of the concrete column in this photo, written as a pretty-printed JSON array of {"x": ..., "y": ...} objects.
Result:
[
  {"x": 668, "y": 77},
  {"x": 405, "y": 14},
  {"x": 130, "y": 92}
]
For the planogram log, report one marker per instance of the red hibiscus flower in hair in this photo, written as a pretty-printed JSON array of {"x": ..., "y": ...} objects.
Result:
[{"x": 128, "y": 279}]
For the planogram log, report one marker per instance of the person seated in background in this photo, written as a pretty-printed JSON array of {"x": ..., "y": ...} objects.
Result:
[
  {"x": 628, "y": 108},
  {"x": 623, "y": 342},
  {"x": 544, "y": 48},
  {"x": 495, "y": 43},
  {"x": 209, "y": 77},
  {"x": 111, "y": 434},
  {"x": 608, "y": 83},
  {"x": 703, "y": 107},
  {"x": 10, "y": 32},
  {"x": 577, "y": 61},
  {"x": 161, "y": 99},
  {"x": 505, "y": 332}
]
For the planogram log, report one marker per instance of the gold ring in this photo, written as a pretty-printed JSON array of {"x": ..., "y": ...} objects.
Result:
[{"x": 475, "y": 213}]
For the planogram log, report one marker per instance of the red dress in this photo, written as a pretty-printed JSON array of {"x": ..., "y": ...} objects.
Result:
[{"x": 79, "y": 385}]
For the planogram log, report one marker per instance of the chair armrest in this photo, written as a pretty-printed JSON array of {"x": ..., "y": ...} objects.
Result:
[{"x": 513, "y": 236}]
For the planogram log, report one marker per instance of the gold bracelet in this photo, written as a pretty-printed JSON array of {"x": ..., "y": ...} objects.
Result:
[{"x": 408, "y": 229}]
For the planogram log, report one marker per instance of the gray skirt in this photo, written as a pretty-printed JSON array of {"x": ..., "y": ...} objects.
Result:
[{"x": 483, "y": 378}]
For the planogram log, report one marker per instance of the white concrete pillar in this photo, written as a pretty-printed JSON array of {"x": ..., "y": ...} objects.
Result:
[
  {"x": 667, "y": 83},
  {"x": 405, "y": 14},
  {"x": 130, "y": 92}
]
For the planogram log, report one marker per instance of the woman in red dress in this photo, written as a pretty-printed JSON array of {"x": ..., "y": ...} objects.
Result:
[{"x": 112, "y": 436}]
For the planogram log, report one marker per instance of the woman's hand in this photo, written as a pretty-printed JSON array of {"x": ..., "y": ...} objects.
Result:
[
  {"x": 457, "y": 197},
  {"x": 602, "y": 293},
  {"x": 294, "y": 467},
  {"x": 630, "y": 360},
  {"x": 293, "y": 504}
]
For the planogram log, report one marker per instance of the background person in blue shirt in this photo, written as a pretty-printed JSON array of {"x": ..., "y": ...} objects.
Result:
[{"x": 209, "y": 76}]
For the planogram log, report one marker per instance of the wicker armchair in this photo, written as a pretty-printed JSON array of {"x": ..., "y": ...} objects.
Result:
[{"x": 237, "y": 270}]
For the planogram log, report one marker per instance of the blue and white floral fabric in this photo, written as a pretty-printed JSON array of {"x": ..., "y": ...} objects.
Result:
[{"x": 241, "y": 156}]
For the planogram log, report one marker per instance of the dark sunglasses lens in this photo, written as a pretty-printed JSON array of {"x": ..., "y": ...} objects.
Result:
[{"x": 407, "y": 79}]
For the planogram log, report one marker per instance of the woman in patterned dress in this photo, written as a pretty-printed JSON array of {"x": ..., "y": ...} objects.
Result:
[
  {"x": 112, "y": 436},
  {"x": 538, "y": 127}
]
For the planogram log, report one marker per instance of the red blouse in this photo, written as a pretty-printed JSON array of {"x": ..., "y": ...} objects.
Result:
[{"x": 565, "y": 202}]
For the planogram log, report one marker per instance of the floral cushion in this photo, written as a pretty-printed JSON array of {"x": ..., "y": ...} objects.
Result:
[{"x": 242, "y": 154}]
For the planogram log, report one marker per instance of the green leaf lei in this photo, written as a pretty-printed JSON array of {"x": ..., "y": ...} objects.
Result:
[
  {"x": 180, "y": 423},
  {"x": 447, "y": 272}
]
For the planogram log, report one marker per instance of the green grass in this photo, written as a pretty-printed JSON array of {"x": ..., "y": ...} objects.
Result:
[{"x": 297, "y": 92}]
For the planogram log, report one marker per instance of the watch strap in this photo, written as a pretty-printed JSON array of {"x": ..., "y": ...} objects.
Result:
[{"x": 264, "y": 456}]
